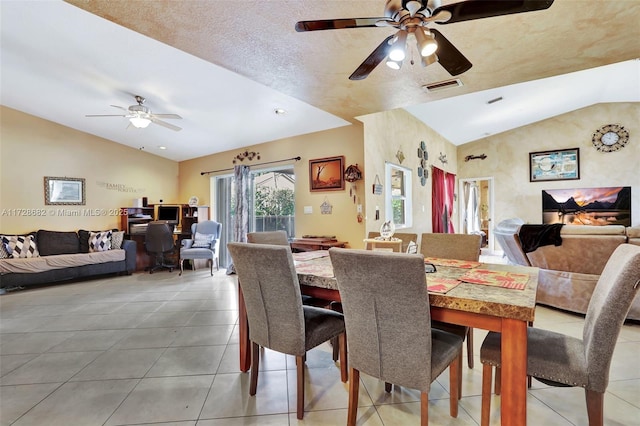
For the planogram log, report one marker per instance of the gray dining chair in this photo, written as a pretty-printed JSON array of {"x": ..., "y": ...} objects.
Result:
[
  {"x": 388, "y": 320},
  {"x": 277, "y": 318},
  {"x": 460, "y": 247},
  {"x": 203, "y": 244},
  {"x": 559, "y": 360}
]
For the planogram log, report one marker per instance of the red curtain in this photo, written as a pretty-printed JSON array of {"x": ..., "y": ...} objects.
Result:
[{"x": 443, "y": 188}]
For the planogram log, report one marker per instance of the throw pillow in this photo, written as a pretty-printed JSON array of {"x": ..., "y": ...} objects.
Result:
[
  {"x": 202, "y": 240},
  {"x": 4, "y": 252},
  {"x": 116, "y": 240},
  {"x": 20, "y": 246},
  {"x": 99, "y": 241},
  {"x": 412, "y": 248}
]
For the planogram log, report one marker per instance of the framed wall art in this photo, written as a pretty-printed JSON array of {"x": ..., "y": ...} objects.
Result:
[
  {"x": 64, "y": 191},
  {"x": 326, "y": 174},
  {"x": 587, "y": 206},
  {"x": 563, "y": 164}
]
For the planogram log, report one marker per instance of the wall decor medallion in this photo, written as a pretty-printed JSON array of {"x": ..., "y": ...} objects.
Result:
[
  {"x": 423, "y": 156},
  {"x": 610, "y": 137}
]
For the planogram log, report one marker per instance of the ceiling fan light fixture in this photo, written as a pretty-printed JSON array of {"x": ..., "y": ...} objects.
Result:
[
  {"x": 399, "y": 47},
  {"x": 394, "y": 65},
  {"x": 426, "y": 43},
  {"x": 428, "y": 60},
  {"x": 140, "y": 122}
]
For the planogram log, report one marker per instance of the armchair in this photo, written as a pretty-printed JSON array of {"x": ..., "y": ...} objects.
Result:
[{"x": 203, "y": 244}]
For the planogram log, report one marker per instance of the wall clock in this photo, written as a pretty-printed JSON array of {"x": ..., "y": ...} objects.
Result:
[{"x": 610, "y": 137}]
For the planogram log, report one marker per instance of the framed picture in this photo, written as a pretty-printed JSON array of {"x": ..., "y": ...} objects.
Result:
[
  {"x": 326, "y": 174},
  {"x": 587, "y": 206},
  {"x": 562, "y": 164},
  {"x": 64, "y": 191}
]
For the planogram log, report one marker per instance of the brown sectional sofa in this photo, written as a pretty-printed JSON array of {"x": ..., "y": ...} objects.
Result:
[{"x": 570, "y": 271}]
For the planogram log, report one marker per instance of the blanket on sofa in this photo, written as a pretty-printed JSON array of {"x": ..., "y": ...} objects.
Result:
[
  {"x": 534, "y": 236},
  {"x": 32, "y": 265}
]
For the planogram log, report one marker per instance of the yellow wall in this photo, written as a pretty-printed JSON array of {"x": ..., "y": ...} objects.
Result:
[
  {"x": 385, "y": 134},
  {"x": 32, "y": 148},
  {"x": 508, "y": 159},
  {"x": 347, "y": 141}
]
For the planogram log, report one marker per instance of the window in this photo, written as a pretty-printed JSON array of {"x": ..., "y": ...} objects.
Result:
[{"x": 398, "y": 195}]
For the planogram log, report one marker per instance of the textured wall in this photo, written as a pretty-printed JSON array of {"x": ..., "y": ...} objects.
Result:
[{"x": 508, "y": 159}]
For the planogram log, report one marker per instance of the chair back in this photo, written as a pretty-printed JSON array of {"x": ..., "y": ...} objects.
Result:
[
  {"x": 159, "y": 237},
  {"x": 610, "y": 303},
  {"x": 405, "y": 237},
  {"x": 271, "y": 291},
  {"x": 451, "y": 246},
  {"x": 269, "y": 237},
  {"x": 386, "y": 310},
  {"x": 207, "y": 227}
]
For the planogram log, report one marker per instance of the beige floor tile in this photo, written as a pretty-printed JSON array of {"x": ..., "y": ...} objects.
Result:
[
  {"x": 17, "y": 400},
  {"x": 116, "y": 321},
  {"x": 160, "y": 337},
  {"x": 203, "y": 335},
  {"x": 409, "y": 413},
  {"x": 139, "y": 307},
  {"x": 165, "y": 319},
  {"x": 79, "y": 403},
  {"x": 214, "y": 318},
  {"x": 627, "y": 390},
  {"x": 187, "y": 361},
  {"x": 93, "y": 340},
  {"x": 180, "y": 306},
  {"x": 267, "y": 420},
  {"x": 120, "y": 364},
  {"x": 165, "y": 399},
  {"x": 367, "y": 416},
  {"x": 49, "y": 368},
  {"x": 31, "y": 343},
  {"x": 9, "y": 363},
  {"x": 229, "y": 395}
]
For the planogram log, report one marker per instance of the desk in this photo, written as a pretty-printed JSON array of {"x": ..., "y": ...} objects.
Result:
[
  {"x": 490, "y": 308},
  {"x": 142, "y": 257}
]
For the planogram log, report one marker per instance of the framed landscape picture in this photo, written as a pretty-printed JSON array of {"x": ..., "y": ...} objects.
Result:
[
  {"x": 562, "y": 164},
  {"x": 587, "y": 206},
  {"x": 326, "y": 174}
]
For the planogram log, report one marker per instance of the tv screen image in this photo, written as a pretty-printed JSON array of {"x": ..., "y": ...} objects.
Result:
[
  {"x": 169, "y": 213},
  {"x": 587, "y": 206}
]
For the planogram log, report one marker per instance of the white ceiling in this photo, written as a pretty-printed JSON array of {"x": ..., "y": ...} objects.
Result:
[{"x": 60, "y": 62}]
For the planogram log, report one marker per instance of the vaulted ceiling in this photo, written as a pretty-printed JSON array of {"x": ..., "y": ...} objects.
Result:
[{"x": 208, "y": 47}]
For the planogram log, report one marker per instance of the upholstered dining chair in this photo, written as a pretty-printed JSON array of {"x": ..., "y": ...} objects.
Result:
[
  {"x": 269, "y": 237},
  {"x": 158, "y": 242},
  {"x": 559, "y": 360},
  {"x": 277, "y": 318},
  {"x": 387, "y": 316},
  {"x": 460, "y": 247},
  {"x": 203, "y": 244}
]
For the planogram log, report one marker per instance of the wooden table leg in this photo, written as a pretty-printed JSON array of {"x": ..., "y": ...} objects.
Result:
[
  {"x": 514, "y": 372},
  {"x": 243, "y": 331}
]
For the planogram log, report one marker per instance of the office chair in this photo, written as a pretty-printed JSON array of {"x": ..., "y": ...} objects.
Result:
[{"x": 159, "y": 244}]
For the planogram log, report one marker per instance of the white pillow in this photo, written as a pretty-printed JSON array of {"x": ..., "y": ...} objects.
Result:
[
  {"x": 412, "y": 248},
  {"x": 20, "y": 246},
  {"x": 99, "y": 241},
  {"x": 116, "y": 240},
  {"x": 202, "y": 240}
]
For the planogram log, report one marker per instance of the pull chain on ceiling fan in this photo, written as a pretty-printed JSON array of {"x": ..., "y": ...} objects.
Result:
[{"x": 411, "y": 18}]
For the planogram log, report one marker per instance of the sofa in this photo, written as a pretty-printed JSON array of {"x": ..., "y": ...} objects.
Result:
[
  {"x": 569, "y": 270},
  {"x": 45, "y": 256}
]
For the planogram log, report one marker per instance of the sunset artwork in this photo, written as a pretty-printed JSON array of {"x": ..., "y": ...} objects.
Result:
[
  {"x": 326, "y": 174},
  {"x": 587, "y": 206}
]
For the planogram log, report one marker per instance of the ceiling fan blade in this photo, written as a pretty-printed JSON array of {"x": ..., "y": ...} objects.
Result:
[
  {"x": 105, "y": 115},
  {"x": 336, "y": 24},
  {"x": 122, "y": 108},
  {"x": 165, "y": 124},
  {"x": 449, "y": 57},
  {"x": 373, "y": 60},
  {"x": 478, "y": 9},
  {"x": 176, "y": 116}
]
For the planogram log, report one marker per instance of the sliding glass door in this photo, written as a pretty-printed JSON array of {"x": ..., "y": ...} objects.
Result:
[{"x": 271, "y": 208}]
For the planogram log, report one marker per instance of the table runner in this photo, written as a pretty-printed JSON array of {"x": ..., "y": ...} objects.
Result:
[{"x": 502, "y": 279}]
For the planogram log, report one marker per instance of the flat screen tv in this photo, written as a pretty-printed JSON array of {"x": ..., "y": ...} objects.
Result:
[
  {"x": 587, "y": 206},
  {"x": 170, "y": 214}
]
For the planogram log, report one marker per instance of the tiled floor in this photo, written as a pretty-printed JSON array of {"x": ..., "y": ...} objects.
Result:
[{"x": 162, "y": 349}]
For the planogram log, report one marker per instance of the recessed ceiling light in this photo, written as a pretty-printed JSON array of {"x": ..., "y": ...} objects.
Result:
[
  {"x": 280, "y": 111},
  {"x": 162, "y": 147}
]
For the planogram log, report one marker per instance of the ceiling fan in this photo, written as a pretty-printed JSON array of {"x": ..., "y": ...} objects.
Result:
[
  {"x": 411, "y": 18},
  {"x": 140, "y": 116}
]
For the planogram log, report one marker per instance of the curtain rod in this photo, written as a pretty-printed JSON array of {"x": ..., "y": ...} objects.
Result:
[{"x": 257, "y": 164}]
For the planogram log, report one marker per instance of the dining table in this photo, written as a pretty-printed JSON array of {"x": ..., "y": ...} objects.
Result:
[{"x": 494, "y": 297}]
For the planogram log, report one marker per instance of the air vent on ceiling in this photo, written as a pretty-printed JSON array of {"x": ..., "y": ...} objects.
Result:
[{"x": 441, "y": 85}]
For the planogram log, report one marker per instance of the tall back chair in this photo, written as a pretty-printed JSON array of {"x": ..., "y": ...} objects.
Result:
[
  {"x": 269, "y": 237},
  {"x": 560, "y": 360},
  {"x": 387, "y": 315},
  {"x": 277, "y": 319},
  {"x": 203, "y": 244},
  {"x": 159, "y": 243},
  {"x": 460, "y": 247}
]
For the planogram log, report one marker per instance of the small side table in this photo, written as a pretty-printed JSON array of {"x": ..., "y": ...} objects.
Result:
[{"x": 383, "y": 245}]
